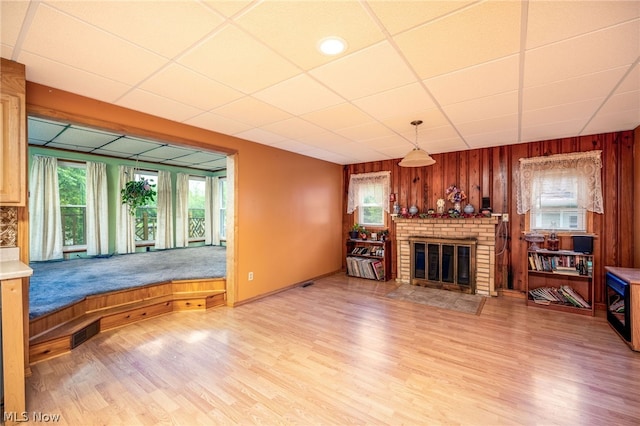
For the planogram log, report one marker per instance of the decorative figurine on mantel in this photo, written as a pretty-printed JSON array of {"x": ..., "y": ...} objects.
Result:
[{"x": 440, "y": 205}]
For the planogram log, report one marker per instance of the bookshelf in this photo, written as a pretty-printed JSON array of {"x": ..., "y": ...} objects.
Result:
[
  {"x": 369, "y": 259},
  {"x": 560, "y": 280}
]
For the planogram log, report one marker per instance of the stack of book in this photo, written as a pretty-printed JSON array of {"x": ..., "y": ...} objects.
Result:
[
  {"x": 563, "y": 295},
  {"x": 365, "y": 268}
]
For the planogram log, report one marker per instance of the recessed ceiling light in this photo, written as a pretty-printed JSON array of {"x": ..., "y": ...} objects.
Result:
[{"x": 332, "y": 45}]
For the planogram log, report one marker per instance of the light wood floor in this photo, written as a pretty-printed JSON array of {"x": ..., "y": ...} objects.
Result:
[{"x": 336, "y": 353}]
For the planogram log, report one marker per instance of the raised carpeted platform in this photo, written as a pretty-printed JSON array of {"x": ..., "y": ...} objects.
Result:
[{"x": 55, "y": 284}]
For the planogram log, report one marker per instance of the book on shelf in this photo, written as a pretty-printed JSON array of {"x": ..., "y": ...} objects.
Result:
[{"x": 564, "y": 295}]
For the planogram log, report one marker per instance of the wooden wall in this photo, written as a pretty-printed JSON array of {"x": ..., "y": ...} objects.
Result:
[{"x": 490, "y": 172}]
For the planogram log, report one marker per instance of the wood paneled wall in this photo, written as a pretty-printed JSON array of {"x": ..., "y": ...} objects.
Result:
[{"x": 491, "y": 172}]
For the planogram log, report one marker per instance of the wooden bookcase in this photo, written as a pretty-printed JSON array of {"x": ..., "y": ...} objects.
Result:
[
  {"x": 369, "y": 259},
  {"x": 557, "y": 269}
]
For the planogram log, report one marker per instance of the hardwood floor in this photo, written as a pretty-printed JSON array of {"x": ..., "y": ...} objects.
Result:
[{"x": 337, "y": 352}]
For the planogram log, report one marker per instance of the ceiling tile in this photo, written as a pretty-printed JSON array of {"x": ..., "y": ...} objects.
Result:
[
  {"x": 338, "y": 116},
  {"x": 194, "y": 89},
  {"x": 397, "y": 16},
  {"x": 261, "y": 136},
  {"x": 396, "y": 102},
  {"x": 485, "y": 140},
  {"x": 550, "y": 21},
  {"x": 483, "y": 108},
  {"x": 12, "y": 15},
  {"x": 477, "y": 34},
  {"x": 43, "y": 130},
  {"x": 153, "y": 104},
  {"x": 238, "y": 60},
  {"x": 507, "y": 122},
  {"x": 217, "y": 123},
  {"x": 284, "y": 95},
  {"x": 63, "y": 77},
  {"x": 547, "y": 131},
  {"x": 366, "y": 131},
  {"x": 325, "y": 140},
  {"x": 127, "y": 146},
  {"x": 345, "y": 19},
  {"x": 251, "y": 112},
  {"x": 88, "y": 48},
  {"x": 166, "y": 152},
  {"x": 227, "y": 8},
  {"x": 596, "y": 85},
  {"x": 80, "y": 136},
  {"x": 294, "y": 128},
  {"x": 375, "y": 69},
  {"x": 574, "y": 57},
  {"x": 562, "y": 113},
  {"x": 489, "y": 78},
  {"x": 142, "y": 25},
  {"x": 631, "y": 81}
]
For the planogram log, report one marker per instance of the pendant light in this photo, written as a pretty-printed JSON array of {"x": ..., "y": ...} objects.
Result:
[{"x": 417, "y": 157}]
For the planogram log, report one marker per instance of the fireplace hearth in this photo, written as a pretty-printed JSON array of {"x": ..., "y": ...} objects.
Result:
[
  {"x": 481, "y": 230},
  {"x": 444, "y": 263}
]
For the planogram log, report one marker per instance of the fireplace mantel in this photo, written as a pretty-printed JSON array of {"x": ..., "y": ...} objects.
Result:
[{"x": 481, "y": 228}]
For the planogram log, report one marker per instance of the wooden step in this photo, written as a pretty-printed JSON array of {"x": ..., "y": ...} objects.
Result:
[{"x": 99, "y": 313}]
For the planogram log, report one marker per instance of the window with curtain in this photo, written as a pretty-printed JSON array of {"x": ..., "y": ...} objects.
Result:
[
  {"x": 369, "y": 195},
  {"x": 558, "y": 190},
  {"x": 147, "y": 216},
  {"x": 72, "y": 186},
  {"x": 222, "y": 211},
  {"x": 196, "y": 208}
]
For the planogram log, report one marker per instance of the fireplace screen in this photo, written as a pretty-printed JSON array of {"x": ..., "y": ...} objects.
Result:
[{"x": 443, "y": 263}]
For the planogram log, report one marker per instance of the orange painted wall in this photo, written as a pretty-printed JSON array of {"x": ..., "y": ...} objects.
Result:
[{"x": 288, "y": 206}]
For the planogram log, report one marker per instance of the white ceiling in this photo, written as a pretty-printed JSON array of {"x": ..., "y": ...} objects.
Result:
[{"x": 478, "y": 73}]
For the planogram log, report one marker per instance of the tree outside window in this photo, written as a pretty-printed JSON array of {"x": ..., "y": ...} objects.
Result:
[
  {"x": 147, "y": 216},
  {"x": 196, "y": 208},
  {"x": 72, "y": 185},
  {"x": 370, "y": 207}
]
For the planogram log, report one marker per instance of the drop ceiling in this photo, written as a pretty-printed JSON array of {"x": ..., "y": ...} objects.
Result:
[{"x": 478, "y": 73}]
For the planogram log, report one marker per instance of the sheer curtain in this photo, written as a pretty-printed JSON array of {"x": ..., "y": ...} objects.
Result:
[
  {"x": 358, "y": 181},
  {"x": 586, "y": 166},
  {"x": 45, "y": 221},
  {"x": 164, "y": 236},
  {"x": 125, "y": 221},
  {"x": 97, "y": 230},
  {"x": 182, "y": 210},
  {"x": 211, "y": 211}
]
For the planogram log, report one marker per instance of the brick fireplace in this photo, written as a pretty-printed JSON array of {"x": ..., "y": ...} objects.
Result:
[{"x": 482, "y": 230}]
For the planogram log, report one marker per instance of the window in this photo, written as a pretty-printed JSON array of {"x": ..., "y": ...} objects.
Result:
[
  {"x": 196, "y": 208},
  {"x": 369, "y": 194},
  {"x": 147, "y": 216},
  {"x": 558, "y": 190},
  {"x": 222, "y": 191},
  {"x": 556, "y": 204},
  {"x": 72, "y": 185},
  {"x": 370, "y": 206}
]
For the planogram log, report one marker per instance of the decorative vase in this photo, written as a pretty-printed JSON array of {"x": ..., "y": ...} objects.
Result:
[
  {"x": 413, "y": 210},
  {"x": 456, "y": 206},
  {"x": 354, "y": 235},
  {"x": 469, "y": 209}
]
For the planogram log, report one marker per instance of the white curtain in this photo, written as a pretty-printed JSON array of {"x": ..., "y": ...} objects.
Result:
[
  {"x": 182, "y": 210},
  {"x": 164, "y": 236},
  {"x": 97, "y": 209},
  {"x": 45, "y": 233},
  {"x": 211, "y": 211},
  {"x": 357, "y": 181},
  {"x": 125, "y": 221},
  {"x": 585, "y": 165}
]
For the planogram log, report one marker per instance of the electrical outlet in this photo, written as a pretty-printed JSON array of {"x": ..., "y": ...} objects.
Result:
[
  {"x": 250, "y": 276},
  {"x": 505, "y": 217}
]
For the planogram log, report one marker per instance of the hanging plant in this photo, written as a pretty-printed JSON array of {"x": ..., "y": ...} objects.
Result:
[{"x": 137, "y": 193}]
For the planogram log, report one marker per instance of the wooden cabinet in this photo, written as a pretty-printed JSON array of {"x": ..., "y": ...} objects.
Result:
[
  {"x": 13, "y": 143},
  {"x": 560, "y": 280},
  {"x": 369, "y": 259}
]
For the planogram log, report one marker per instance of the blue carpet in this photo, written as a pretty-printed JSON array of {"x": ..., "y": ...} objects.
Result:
[{"x": 55, "y": 284}]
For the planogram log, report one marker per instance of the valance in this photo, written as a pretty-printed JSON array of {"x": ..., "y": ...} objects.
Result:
[
  {"x": 586, "y": 166},
  {"x": 360, "y": 180}
]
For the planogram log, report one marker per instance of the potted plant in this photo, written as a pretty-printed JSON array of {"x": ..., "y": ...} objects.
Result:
[
  {"x": 355, "y": 231},
  {"x": 137, "y": 193}
]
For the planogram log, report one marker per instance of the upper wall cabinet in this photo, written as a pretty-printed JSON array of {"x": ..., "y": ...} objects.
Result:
[{"x": 13, "y": 142}]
